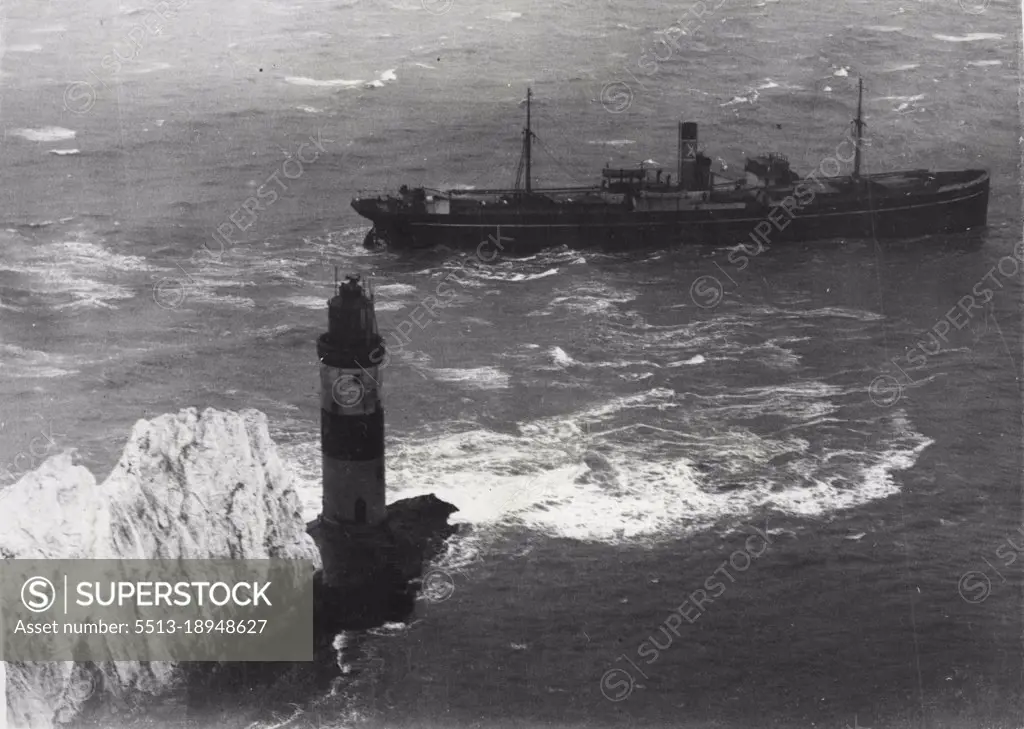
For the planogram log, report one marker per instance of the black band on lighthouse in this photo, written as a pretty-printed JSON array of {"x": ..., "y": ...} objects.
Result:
[{"x": 352, "y": 437}]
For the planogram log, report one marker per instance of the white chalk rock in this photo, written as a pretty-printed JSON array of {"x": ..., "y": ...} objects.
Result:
[{"x": 186, "y": 486}]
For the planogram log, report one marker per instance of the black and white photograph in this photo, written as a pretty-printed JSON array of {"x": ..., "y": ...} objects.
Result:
[{"x": 421, "y": 364}]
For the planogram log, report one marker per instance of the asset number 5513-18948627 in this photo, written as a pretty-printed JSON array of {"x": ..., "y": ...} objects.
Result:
[{"x": 199, "y": 627}]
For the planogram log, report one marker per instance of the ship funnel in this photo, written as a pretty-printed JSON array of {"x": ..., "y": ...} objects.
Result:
[{"x": 688, "y": 155}]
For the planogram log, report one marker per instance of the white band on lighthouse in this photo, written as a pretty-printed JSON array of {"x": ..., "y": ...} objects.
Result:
[{"x": 345, "y": 391}]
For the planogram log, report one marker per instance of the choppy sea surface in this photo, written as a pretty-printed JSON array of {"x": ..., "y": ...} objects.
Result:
[{"x": 613, "y": 427}]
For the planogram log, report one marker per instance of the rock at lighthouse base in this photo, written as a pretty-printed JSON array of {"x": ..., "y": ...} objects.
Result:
[{"x": 368, "y": 569}]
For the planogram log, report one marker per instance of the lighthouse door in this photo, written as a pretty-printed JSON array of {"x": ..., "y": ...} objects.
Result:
[{"x": 360, "y": 511}]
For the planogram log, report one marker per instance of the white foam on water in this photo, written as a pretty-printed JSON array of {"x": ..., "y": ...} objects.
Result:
[
  {"x": 768, "y": 84},
  {"x": 750, "y": 98},
  {"x": 989, "y": 62},
  {"x": 314, "y": 303},
  {"x": 908, "y": 99},
  {"x": 775, "y": 355},
  {"x": 209, "y": 296},
  {"x": 650, "y": 465},
  {"x": 64, "y": 152},
  {"x": 901, "y": 67},
  {"x": 394, "y": 290},
  {"x": 506, "y": 15},
  {"x": 562, "y": 360},
  {"x": 85, "y": 254},
  {"x": 694, "y": 360},
  {"x": 967, "y": 38},
  {"x": 884, "y": 28},
  {"x": 24, "y": 48},
  {"x": 143, "y": 68},
  {"x": 478, "y": 378},
  {"x": 43, "y": 134},
  {"x": 326, "y": 83},
  {"x": 592, "y": 298},
  {"x": 514, "y": 277},
  {"x": 799, "y": 401},
  {"x": 75, "y": 273},
  {"x": 19, "y": 363}
]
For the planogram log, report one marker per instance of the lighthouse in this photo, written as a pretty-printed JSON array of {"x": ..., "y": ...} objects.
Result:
[{"x": 351, "y": 436}]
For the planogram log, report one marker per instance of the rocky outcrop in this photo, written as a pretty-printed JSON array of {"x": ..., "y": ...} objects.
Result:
[
  {"x": 419, "y": 526},
  {"x": 188, "y": 486},
  {"x": 192, "y": 486},
  {"x": 371, "y": 571}
]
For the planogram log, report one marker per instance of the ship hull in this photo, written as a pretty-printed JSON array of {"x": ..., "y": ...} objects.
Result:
[{"x": 953, "y": 208}]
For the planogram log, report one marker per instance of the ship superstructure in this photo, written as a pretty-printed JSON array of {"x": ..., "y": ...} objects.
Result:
[{"x": 690, "y": 204}]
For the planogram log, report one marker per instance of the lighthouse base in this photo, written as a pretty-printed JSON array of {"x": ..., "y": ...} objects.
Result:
[{"x": 369, "y": 571}]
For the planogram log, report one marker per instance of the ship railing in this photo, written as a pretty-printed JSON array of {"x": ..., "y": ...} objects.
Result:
[
  {"x": 378, "y": 194},
  {"x": 392, "y": 194}
]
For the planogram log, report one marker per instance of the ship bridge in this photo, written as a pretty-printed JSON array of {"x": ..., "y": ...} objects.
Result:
[{"x": 769, "y": 170}]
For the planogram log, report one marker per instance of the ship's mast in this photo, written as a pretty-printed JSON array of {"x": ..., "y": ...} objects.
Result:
[
  {"x": 527, "y": 134},
  {"x": 859, "y": 122}
]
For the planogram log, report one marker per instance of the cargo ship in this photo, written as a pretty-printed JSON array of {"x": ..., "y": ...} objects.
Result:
[{"x": 644, "y": 206}]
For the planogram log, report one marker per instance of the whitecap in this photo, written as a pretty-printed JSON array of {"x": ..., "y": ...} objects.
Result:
[
  {"x": 481, "y": 378},
  {"x": 63, "y": 152},
  {"x": 394, "y": 289},
  {"x": 139, "y": 69},
  {"x": 315, "y": 303},
  {"x": 329, "y": 83},
  {"x": 513, "y": 276},
  {"x": 989, "y": 62},
  {"x": 25, "y": 48},
  {"x": 560, "y": 357},
  {"x": 44, "y": 134},
  {"x": 901, "y": 67},
  {"x": 905, "y": 99},
  {"x": 749, "y": 99},
  {"x": 694, "y": 360},
  {"x": 967, "y": 38},
  {"x": 506, "y": 15}
]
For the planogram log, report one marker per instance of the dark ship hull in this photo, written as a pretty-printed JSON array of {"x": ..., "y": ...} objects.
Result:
[
  {"x": 638, "y": 208},
  {"x": 946, "y": 202}
]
